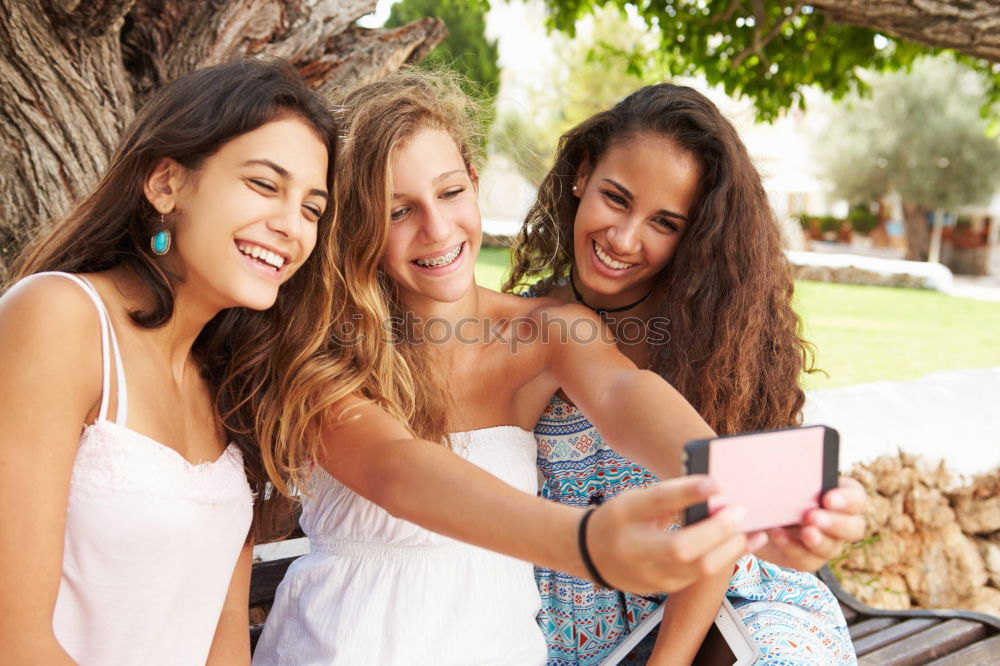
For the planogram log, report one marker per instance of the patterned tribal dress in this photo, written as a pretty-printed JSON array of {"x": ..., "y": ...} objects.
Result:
[{"x": 792, "y": 616}]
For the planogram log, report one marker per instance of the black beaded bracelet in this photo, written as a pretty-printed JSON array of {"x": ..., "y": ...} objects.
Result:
[{"x": 585, "y": 552}]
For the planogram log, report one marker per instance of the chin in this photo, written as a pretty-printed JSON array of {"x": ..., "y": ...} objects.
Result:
[
  {"x": 257, "y": 300},
  {"x": 446, "y": 295}
]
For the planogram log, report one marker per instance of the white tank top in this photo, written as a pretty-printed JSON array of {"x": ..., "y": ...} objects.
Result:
[{"x": 151, "y": 539}]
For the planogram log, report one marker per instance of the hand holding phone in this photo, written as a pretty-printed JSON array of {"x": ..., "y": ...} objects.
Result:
[{"x": 776, "y": 476}]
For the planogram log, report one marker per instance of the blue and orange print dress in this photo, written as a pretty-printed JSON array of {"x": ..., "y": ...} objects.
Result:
[{"x": 792, "y": 616}]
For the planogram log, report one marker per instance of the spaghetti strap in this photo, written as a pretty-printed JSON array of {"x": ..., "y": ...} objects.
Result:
[
  {"x": 107, "y": 332},
  {"x": 121, "y": 413}
]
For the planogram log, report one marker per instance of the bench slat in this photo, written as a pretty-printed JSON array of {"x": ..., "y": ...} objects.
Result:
[
  {"x": 983, "y": 653},
  {"x": 870, "y": 626},
  {"x": 937, "y": 641},
  {"x": 890, "y": 635}
]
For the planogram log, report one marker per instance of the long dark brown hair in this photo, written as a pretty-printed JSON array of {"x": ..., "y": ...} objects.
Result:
[
  {"x": 735, "y": 349},
  {"x": 189, "y": 120}
]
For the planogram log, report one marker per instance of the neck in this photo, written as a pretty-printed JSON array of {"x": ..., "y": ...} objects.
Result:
[
  {"x": 442, "y": 319},
  {"x": 190, "y": 316},
  {"x": 175, "y": 338},
  {"x": 607, "y": 305}
]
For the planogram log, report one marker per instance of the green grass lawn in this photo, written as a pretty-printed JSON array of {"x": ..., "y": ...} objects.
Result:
[
  {"x": 491, "y": 266},
  {"x": 867, "y": 334}
]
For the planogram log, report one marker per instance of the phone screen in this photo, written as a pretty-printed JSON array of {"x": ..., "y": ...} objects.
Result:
[
  {"x": 776, "y": 476},
  {"x": 715, "y": 650}
]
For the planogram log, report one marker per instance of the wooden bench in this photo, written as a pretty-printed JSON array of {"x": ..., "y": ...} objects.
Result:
[
  {"x": 881, "y": 638},
  {"x": 911, "y": 637}
]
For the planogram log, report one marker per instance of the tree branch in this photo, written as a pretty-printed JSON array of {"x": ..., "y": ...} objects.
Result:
[
  {"x": 971, "y": 27},
  {"x": 758, "y": 45},
  {"x": 359, "y": 55},
  {"x": 164, "y": 38},
  {"x": 728, "y": 14}
]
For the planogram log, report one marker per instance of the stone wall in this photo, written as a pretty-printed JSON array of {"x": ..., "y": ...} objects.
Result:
[
  {"x": 933, "y": 541},
  {"x": 855, "y": 275}
]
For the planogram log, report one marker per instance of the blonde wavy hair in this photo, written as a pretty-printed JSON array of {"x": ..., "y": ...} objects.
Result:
[{"x": 366, "y": 351}]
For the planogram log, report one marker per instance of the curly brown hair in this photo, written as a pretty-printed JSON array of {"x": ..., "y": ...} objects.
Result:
[{"x": 735, "y": 349}]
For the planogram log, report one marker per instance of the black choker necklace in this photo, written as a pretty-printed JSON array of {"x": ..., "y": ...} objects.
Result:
[{"x": 603, "y": 311}]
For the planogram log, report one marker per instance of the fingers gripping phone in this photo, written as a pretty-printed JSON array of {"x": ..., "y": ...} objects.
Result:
[{"x": 777, "y": 476}]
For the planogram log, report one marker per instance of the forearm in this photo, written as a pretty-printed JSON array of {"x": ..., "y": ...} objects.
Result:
[
  {"x": 427, "y": 484},
  {"x": 687, "y": 617},
  {"x": 650, "y": 421}
]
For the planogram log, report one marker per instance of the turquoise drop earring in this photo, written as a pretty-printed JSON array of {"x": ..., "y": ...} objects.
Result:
[{"x": 159, "y": 242}]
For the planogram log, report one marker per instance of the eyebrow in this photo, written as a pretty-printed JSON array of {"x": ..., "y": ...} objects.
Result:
[
  {"x": 628, "y": 195},
  {"x": 283, "y": 172},
  {"x": 437, "y": 179}
]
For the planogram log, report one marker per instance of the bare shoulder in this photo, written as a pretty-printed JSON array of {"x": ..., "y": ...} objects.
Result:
[
  {"x": 512, "y": 306},
  {"x": 50, "y": 335},
  {"x": 508, "y": 306},
  {"x": 550, "y": 311},
  {"x": 361, "y": 417},
  {"x": 45, "y": 307}
]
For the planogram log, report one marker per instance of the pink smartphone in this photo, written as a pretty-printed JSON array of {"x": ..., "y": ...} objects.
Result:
[{"x": 777, "y": 476}]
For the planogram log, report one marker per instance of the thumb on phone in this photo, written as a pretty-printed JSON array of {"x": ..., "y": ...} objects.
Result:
[{"x": 668, "y": 498}]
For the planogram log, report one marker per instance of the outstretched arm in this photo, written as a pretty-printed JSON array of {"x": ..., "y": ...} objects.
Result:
[
  {"x": 647, "y": 420},
  {"x": 425, "y": 483},
  {"x": 637, "y": 412}
]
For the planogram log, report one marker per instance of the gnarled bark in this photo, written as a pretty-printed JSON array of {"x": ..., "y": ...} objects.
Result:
[
  {"x": 967, "y": 26},
  {"x": 73, "y": 72}
]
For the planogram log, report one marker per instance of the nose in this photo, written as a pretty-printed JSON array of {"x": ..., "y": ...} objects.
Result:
[
  {"x": 286, "y": 220},
  {"x": 623, "y": 238},
  {"x": 435, "y": 227}
]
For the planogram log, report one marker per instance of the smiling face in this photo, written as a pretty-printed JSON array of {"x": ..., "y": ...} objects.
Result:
[
  {"x": 247, "y": 219},
  {"x": 634, "y": 207},
  {"x": 435, "y": 223}
]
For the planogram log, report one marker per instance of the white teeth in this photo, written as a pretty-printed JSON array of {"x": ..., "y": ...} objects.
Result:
[
  {"x": 275, "y": 260},
  {"x": 443, "y": 260},
  {"x": 608, "y": 261},
  {"x": 271, "y": 258}
]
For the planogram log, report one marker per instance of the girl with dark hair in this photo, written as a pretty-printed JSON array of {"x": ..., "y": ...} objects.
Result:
[
  {"x": 141, "y": 318},
  {"x": 415, "y": 433},
  {"x": 654, "y": 216}
]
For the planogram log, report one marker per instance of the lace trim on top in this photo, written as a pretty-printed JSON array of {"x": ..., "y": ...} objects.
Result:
[{"x": 114, "y": 460}]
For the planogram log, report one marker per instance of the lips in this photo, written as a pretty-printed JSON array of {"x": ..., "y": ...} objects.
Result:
[
  {"x": 262, "y": 255},
  {"x": 440, "y": 260},
  {"x": 608, "y": 260}
]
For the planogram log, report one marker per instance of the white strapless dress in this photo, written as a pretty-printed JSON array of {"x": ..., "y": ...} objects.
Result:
[{"x": 380, "y": 590}]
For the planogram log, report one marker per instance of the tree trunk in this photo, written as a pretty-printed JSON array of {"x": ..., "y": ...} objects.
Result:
[
  {"x": 73, "y": 73},
  {"x": 918, "y": 237},
  {"x": 968, "y": 26}
]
